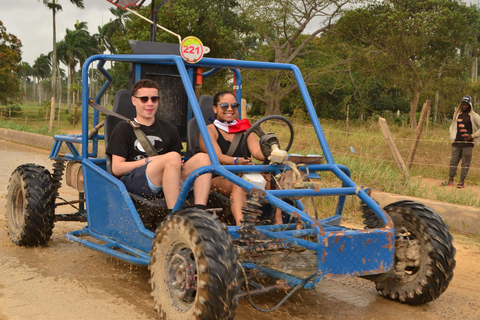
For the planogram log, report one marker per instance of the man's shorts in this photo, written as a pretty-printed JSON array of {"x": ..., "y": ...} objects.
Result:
[{"x": 136, "y": 182}]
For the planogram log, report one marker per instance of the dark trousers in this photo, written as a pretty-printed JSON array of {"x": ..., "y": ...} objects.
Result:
[{"x": 464, "y": 154}]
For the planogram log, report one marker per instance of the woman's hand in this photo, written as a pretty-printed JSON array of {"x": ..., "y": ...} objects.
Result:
[{"x": 242, "y": 161}]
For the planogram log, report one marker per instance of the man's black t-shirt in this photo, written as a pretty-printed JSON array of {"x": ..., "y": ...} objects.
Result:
[{"x": 163, "y": 136}]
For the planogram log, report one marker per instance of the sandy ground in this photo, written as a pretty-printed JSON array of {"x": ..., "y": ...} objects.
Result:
[{"x": 64, "y": 280}]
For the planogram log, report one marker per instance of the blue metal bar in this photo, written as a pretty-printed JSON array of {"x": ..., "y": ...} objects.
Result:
[
  {"x": 342, "y": 199},
  {"x": 289, "y": 280},
  {"x": 210, "y": 72},
  {"x": 85, "y": 106},
  {"x": 232, "y": 64},
  {"x": 73, "y": 150},
  {"x": 55, "y": 149},
  {"x": 196, "y": 110},
  {"x": 138, "y": 72},
  {"x": 289, "y": 241},
  {"x": 133, "y": 255},
  {"x": 238, "y": 90},
  {"x": 107, "y": 83},
  {"x": 221, "y": 170}
]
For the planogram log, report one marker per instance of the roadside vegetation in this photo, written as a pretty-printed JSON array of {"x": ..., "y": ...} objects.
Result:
[{"x": 360, "y": 146}]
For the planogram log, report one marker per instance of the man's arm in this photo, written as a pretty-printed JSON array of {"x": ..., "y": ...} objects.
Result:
[
  {"x": 121, "y": 166},
  {"x": 476, "y": 119},
  {"x": 118, "y": 147}
]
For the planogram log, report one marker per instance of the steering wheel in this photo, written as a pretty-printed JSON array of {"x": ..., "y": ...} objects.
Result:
[{"x": 266, "y": 139}]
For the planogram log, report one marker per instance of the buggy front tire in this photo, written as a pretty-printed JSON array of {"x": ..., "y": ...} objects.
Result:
[
  {"x": 193, "y": 270},
  {"x": 424, "y": 255},
  {"x": 30, "y": 205}
]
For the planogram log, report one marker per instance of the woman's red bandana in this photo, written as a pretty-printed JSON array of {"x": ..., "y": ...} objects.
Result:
[{"x": 234, "y": 126}]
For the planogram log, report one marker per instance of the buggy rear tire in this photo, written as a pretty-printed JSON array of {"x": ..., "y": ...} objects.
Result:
[
  {"x": 30, "y": 205},
  {"x": 193, "y": 271},
  {"x": 424, "y": 255}
]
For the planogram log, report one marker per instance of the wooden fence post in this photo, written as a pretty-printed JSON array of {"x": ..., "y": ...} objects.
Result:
[
  {"x": 244, "y": 109},
  {"x": 348, "y": 115},
  {"x": 418, "y": 133},
  {"x": 52, "y": 113},
  {"x": 393, "y": 148},
  {"x": 74, "y": 115}
]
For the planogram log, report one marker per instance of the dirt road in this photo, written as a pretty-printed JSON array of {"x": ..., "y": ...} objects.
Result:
[{"x": 64, "y": 280}]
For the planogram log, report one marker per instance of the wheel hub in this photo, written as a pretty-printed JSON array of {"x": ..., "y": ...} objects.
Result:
[
  {"x": 407, "y": 253},
  {"x": 17, "y": 209},
  {"x": 181, "y": 276}
]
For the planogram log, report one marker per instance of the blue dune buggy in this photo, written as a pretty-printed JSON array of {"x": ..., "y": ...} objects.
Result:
[{"x": 201, "y": 266}]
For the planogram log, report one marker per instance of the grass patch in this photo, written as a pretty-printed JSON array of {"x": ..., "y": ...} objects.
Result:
[
  {"x": 362, "y": 148},
  {"x": 27, "y": 128},
  {"x": 30, "y": 117}
]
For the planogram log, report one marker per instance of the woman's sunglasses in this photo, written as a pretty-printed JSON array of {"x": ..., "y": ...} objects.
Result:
[
  {"x": 145, "y": 99},
  {"x": 225, "y": 106}
]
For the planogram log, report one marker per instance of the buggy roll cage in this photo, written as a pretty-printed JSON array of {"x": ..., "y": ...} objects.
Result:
[{"x": 325, "y": 230}]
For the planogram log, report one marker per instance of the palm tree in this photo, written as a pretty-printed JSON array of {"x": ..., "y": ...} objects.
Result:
[
  {"x": 55, "y": 6},
  {"x": 40, "y": 70},
  {"x": 119, "y": 22},
  {"x": 61, "y": 76},
  {"x": 81, "y": 25},
  {"x": 25, "y": 74},
  {"x": 74, "y": 48},
  {"x": 103, "y": 38}
]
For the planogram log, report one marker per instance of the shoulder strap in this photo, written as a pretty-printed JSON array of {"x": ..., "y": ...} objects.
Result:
[
  {"x": 234, "y": 144},
  {"x": 142, "y": 138},
  {"x": 147, "y": 146}
]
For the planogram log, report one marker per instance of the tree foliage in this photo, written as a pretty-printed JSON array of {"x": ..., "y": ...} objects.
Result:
[
  {"x": 408, "y": 43},
  {"x": 381, "y": 57},
  {"x": 10, "y": 58},
  {"x": 217, "y": 23},
  {"x": 281, "y": 28}
]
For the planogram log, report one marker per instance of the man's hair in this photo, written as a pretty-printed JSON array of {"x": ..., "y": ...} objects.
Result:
[{"x": 144, "y": 83}]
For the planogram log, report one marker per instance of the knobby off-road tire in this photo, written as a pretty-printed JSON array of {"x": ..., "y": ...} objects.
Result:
[
  {"x": 424, "y": 255},
  {"x": 193, "y": 271},
  {"x": 30, "y": 205}
]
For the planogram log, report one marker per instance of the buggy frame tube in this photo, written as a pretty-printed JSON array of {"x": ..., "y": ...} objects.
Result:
[{"x": 270, "y": 195}]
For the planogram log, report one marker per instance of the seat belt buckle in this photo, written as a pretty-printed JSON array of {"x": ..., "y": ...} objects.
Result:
[{"x": 134, "y": 124}]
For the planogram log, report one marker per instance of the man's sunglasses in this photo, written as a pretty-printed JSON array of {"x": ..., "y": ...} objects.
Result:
[
  {"x": 145, "y": 99},
  {"x": 225, "y": 106}
]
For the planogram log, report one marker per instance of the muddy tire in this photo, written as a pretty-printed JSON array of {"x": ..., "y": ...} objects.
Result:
[
  {"x": 424, "y": 255},
  {"x": 30, "y": 205},
  {"x": 193, "y": 271}
]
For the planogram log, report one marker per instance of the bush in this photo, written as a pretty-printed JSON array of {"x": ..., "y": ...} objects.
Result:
[
  {"x": 13, "y": 110},
  {"x": 74, "y": 118}
]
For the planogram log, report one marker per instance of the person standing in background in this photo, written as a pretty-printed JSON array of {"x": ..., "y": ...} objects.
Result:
[{"x": 465, "y": 133}]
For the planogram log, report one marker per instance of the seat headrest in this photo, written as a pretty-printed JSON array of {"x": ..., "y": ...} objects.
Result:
[
  {"x": 123, "y": 104},
  {"x": 206, "y": 106}
]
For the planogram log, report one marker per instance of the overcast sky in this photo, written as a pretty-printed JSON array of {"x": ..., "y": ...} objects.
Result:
[{"x": 31, "y": 22}]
